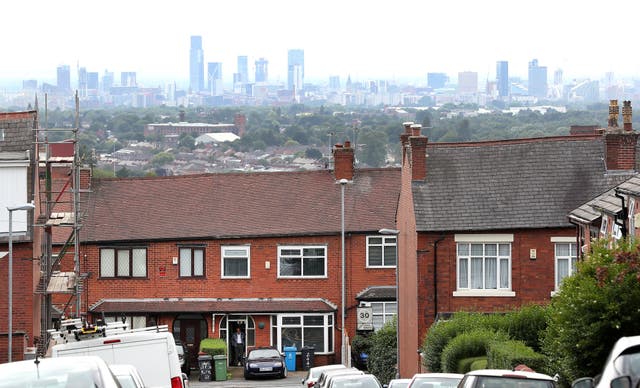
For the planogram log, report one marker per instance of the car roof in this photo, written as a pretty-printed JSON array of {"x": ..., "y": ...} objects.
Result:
[
  {"x": 440, "y": 375},
  {"x": 351, "y": 376},
  {"x": 509, "y": 373}
]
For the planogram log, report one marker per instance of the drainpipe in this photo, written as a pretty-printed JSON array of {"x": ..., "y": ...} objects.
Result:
[
  {"x": 623, "y": 215},
  {"x": 435, "y": 275}
]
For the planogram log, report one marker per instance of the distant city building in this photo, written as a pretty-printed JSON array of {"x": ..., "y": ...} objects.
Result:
[
  {"x": 93, "y": 80},
  {"x": 334, "y": 82},
  {"x": 64, "y": 78},
  {"x": 196, "y": 64},
  {"x": 128, "y": 78},
  {"x": 262, "y": 73},
  {"x": 467, "y": 82},
  {"x": 436, "y": 80},
  {"x": 176, "y": 129},
  {"x": 214, "y": 78},
  {"x": 586, "y": 91},
  {"x": 243, "y": 69},
  {"x": 30, "y": 84},
  {"x": 82, "y": 81},
  {"x": 502, "y": 78},
  {"x": 557, "y": 77},
  {"x": 537, "y": 79},
  {"x": 107, "y": 81},
  {"x": 295, "y": 70}
]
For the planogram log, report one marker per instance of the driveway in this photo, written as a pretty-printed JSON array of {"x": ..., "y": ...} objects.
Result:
[{"x": 237, "y": 380}]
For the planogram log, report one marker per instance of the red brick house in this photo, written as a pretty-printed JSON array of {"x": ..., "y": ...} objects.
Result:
[
  {"x": 483, "y": 225},
  {"x": 205, "y": 254},
  {"x": 18, "y": 166}
]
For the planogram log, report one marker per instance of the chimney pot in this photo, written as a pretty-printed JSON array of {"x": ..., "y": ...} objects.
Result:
[
  {"x": 415, "y": 129},
  {"x": 347, "y": 144},
  {"x": 627, "y": 116}
]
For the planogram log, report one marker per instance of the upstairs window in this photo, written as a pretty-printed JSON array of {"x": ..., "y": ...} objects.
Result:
[
  {"x": 123, "y": 262},
  {"x": 302, "y": 261},
  {"x": 381, "y": 251},
  {"x": 235, "y": 262},
  {"x": 191, "y": 262}
]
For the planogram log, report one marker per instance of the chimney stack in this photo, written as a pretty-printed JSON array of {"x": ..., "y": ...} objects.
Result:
[
  {"x": 613, "y": 114},
  {"x": 404, "y": 138},
  {"x": 418, "y": 149},
  {"x": 626, "y": 116},
  {"x": 343, "y": 161}
]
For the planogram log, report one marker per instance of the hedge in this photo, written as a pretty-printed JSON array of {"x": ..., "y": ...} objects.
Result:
[
  {"x": 470, "y": 344},
  {"x": 213, "y": 346},
  {"x": 509, "y": 354}
]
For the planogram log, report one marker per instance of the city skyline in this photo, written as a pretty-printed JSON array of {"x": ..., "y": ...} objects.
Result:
[{"x": 377, "y": 41}]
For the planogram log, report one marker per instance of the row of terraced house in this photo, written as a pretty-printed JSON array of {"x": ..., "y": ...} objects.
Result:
[{"x": 291, "y": 257}]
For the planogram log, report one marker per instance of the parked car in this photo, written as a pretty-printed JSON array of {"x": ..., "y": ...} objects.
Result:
[
  {"x": 506, "y": 378},
  {"x": 325, "y": 377},
  {"x": 398, "y": 383},
  {"x": 623, "y": 361},
  {"x": 435, "y": 380},
  {"x": 183, "y": 357},
  {"x": 79, "y": 371},
  {"x": 264, "y": 361},
  {"x": 315, "y": 372},
  {"x": 127, "y": 375},
  {"x": 354, "y": 381}
]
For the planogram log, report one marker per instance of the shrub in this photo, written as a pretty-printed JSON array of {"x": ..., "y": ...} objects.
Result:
[
  {"x": 509, "y": 354},
  {"x": 382, "y": 357},
  {"x": 467, "y": 364},
  {"x": 594, "y": 307},
  {"x": 470, "y": 344},
  {"x": 213, "y": 346},
  {"x": 526, "y": 324}
]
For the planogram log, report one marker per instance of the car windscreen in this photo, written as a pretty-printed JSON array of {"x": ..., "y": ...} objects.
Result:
[
  {"x": 263, "y": 353},
  {"x": 435, "y": 382},
  {"x": 511, "y": 382},
  {"x": 628, "y": 363}
]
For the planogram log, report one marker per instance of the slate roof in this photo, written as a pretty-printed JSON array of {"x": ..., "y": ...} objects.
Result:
[
  {"x": 607, "y": 202},
  {"x": 377, "y": 293},
  {"x": 526, "y": 183},
  {"x": 235, "y": 205},
  {"x": 215, "y": 305}
]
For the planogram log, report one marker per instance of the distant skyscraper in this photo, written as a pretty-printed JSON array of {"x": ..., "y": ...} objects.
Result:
[
  {"x": 107, "y": 81},
  {"x": 196, "y": 64},
  {"x": 436, "y": 80},
  {"x": 64, "y": 78},
  {"x": 502, "y": 78},
  {"x": 537, "y": 79},
  {"x": 557, "y": 77},
  {"x": 262, "y": 74},
  {"x": 467, "y": 82},
  {"x": 92, "y": 80},
  {"x": 295, "y": 70},
  {"x": 128, "y": 78},
  {"x": 334, "y": 82},
  {"x": 214, "y": 78},
  {"x": 82, "y": 81},
  {"x": 243, "y": 69}
]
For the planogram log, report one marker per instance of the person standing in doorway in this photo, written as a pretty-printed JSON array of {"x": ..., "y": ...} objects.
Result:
[{"x": 238, "y": 345}]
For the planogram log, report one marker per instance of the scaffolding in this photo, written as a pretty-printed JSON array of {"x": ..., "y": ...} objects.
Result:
[{"x": 59, "y": 187}]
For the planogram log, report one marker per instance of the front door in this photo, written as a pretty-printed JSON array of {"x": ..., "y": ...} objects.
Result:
[
  {"x": 237, "y": 346},
  {"x": 190, "y": 335}
]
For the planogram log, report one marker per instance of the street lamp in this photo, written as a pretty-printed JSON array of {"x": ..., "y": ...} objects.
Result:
[
  {"x": 11, "y": 209},
  {"x": 395, "y": 232},
  {"x": 343, "y": 182}
]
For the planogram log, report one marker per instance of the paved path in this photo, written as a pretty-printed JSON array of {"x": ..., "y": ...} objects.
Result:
[{"x": 294, "y": 379}]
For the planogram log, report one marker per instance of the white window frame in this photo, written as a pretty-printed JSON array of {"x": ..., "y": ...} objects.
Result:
[
  {"x": 632, "y": 223},
  {"x": 117, "y": 256},
  {"x": 225, "y": 253},
  {"x": 302, "y": 257},
  {"x": 604, "y": 225},
  {"x": 328, "y": 328},
  {"x": 13, "y": 192},
  {"x": 387, "y": 241},
  {"x": 484, "y": 239},
  {"x": 386, "y": 316},
  {"x": 573, "y": 257}
]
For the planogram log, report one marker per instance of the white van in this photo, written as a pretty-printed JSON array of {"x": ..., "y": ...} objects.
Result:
[{"x": 153, "y": 353}]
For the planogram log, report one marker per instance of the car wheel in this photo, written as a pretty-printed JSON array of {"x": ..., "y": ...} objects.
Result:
[
  {"x": 284, "y": 373},
  {"x": 247, "y": 376}
]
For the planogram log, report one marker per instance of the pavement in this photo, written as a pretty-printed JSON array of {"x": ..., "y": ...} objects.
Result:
[{"x": 293, "y": 379}]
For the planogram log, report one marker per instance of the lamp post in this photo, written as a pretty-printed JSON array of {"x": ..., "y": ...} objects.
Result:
[
  {"x": 11, "y": 209},
  {"x": 343, "y": 182},
  {"x": 395, "y": 232}
]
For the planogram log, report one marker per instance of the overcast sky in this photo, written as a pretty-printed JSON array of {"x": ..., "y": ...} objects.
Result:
[{"x": 397, "y": 39}]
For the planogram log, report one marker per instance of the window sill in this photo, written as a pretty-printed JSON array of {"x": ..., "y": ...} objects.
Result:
[{"x": 485, "y": 293}]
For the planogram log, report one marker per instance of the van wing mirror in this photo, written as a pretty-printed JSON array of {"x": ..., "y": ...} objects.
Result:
[{"x": 621, "y": 382}]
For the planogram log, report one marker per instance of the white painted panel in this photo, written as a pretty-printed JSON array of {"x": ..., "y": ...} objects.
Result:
[
  {"x": 13, "y": 192},
  {"x": 484, "y": 238},
  {"x": 563, "y": 239}
]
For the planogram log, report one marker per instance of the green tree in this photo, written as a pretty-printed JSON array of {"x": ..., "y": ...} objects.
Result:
[
  {"x": 161, "y": 158},
  {"x": 374, "y": 148},
  {"x": 597, "y": 305},
  {"x": 382, "y": 361},
  {"x": 313, "y": 153}
]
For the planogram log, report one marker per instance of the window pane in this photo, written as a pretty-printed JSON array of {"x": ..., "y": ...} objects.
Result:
[
  {"x": 390, "y": 255},
  {"x": 313, "y": 267},
  {"x": 292, "y": 336},
  {"x": 290, "y": 252},
  {"x": 290, "y": 266},
  {"x": 476, "y": 250},
  {"x": 314, "y": 337},
  {"x": 505, "y": 249},
  {"x": 375, "y": 240},
  {"x": 139, "y": 262},
  {"x": 377, "y": 307},
  {"x": 138, "y": 322},
  {"x": 562, "y": 249},
  {"x": 491, "y": 273},
  {"x": 185, "y": 262},
  {"x": 504, "y": 273},
  {"x": 476, "y": 272},
  {"x": 314, "y": 320},
  {"x": 290, "y": 320},
  {"x": 378, "y": 322},
  {"x": 198, "y": 262},
  {"x": 490, "y": 250},
  {"x": 463, "y": 249},
  {"x": 563, "y": 270},
  {"x": 313, "y": 252},
  {"x": 123, "y": 263},
  {"x": 235, "y": 267},
  {"x": 107, "y": 262},
  {"x": 375, "y": 255},
  {"x": 391, "y": 308},
  {"x": 235, "y": 252},
  {"x": 462, "y": 273}
]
